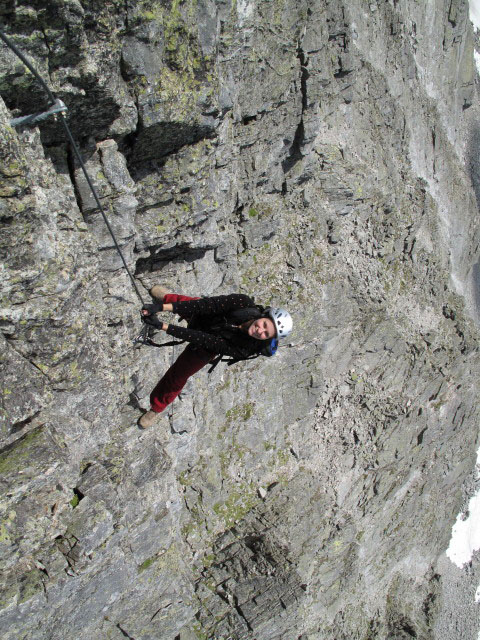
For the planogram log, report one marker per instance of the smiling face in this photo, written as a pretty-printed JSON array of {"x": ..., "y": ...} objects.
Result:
[{"x": 262, "y": 329}]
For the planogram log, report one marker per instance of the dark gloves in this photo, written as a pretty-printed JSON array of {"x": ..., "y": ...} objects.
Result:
[
  {"x": 152, "y": 308},
  {"x": 150, "y": 318},
  {"x": 153, "y": 321}
]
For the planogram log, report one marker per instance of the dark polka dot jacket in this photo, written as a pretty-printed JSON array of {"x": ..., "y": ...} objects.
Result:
[{"x": 211, "y": 324}]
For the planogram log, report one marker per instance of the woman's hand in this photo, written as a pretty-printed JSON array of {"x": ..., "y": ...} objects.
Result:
[
  {"x": 157, "y": 307},
  {"x": 152, "y": 320},
  {"x": 152, "y": 309}
]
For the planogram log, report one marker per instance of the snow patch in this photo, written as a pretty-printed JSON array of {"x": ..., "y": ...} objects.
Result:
[
  {"x": 476, "y": 57},
  {"x": 466, "y": 532},
  {"x": 475, "y": 13},
  {"x": 477, "y": 594},
  {"x": 474, "y": 6},
  {"x": 245, "y": 10}
]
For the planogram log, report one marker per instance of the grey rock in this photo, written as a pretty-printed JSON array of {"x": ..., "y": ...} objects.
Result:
[{"x": 319, "y": 156}]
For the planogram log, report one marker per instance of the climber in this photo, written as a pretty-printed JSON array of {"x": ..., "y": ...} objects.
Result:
[{"x": 232, "y": 326}]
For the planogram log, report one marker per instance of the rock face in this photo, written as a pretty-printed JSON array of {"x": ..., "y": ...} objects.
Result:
[{"x": 318, "y": 155}]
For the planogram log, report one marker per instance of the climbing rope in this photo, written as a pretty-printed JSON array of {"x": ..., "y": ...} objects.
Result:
[{"x": 58, "y": 108}]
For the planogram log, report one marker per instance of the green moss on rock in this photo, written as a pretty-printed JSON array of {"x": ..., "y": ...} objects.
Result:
[
  {"x": 242, "y": 499},
  {"x": 21, "y": 453}
]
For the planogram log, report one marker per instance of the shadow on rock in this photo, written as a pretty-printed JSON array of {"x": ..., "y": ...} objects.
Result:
[
  {"x": 160, "y": 140},
  {"x": 160, "y": 258}
]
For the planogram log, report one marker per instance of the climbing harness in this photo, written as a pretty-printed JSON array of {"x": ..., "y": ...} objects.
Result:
[
  {"x": 270, "y": 349},
  {"x": 57, "y": 107},
  {"x": 145, "y": 338}
]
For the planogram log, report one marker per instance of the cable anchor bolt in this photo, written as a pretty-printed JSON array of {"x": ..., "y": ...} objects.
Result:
[{"x": 57, "y": 107}]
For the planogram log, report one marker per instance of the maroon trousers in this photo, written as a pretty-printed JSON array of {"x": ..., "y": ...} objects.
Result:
[{"x": 188, "y": 362}]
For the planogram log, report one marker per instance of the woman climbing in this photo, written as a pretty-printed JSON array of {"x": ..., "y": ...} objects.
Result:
[{"x": 232, "y": 326}]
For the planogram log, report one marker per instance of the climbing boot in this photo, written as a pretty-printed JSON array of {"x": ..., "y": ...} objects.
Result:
[
  {"x": 159, "y": 292},
  {"x": 148, "y": 419}
]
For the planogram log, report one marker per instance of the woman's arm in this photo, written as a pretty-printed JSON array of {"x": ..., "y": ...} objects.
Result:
[{"x": 216, "y": 305}]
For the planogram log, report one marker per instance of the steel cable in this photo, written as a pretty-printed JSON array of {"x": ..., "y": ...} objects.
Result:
[{"x": 77, "y": 153}]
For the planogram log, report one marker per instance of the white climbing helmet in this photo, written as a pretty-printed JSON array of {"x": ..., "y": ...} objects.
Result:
[{"x": 282, "y": 320}]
